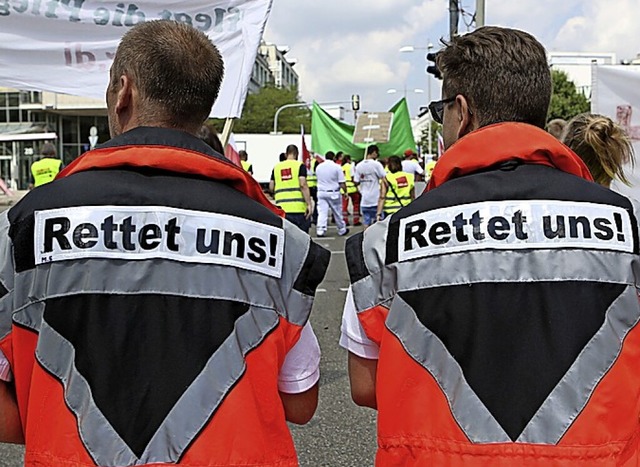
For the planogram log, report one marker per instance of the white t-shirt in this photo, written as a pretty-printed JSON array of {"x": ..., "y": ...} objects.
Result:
[
  {"x": 352, "y": 335},
  {"x": 330, "y": 176},
  {"x": 299, "y": 373},
  {"x": 412, "y": 167},
  {"x": 368, "y": 173}
]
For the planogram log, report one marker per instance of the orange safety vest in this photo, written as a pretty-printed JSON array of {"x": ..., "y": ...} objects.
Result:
[
  {"x": 247, "y": 428},
  {"x": 427, "y": 415}
]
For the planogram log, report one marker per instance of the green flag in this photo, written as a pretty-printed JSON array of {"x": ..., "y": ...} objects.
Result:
[{"x": 330, "y": 134}]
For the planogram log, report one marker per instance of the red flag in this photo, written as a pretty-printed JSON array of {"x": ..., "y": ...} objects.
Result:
[
  {"x": 306, "y": 155},
  {"x": 440, "y": 145},
  {"x": 231, "y": 152}
]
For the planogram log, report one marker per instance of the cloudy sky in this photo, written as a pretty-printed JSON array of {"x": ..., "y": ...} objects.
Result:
[{"x": 346, "y": 47}]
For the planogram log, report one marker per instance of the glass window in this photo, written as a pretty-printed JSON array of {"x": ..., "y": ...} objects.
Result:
[
  {"x": 3, "y": 99},
  {"x": 14, "y": 99},
  {"x": 70, "y": 130},
  {"x": 14, "y": 115}
]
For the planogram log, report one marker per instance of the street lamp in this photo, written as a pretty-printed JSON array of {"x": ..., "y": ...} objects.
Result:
[
  {"x": 428, "y": 48},
  {"x": 405, "y": 91}
]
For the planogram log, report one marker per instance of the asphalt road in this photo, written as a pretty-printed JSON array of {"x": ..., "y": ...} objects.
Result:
[{"x": 340, "y": 434}]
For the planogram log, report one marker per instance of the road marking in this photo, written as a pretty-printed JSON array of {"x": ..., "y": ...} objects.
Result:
[
  {"x": 339, "y": 252},
  {"x": 344, "y": 289},
  {"x": 321, "y": 290},
  {"x": 321, "y": 239}
]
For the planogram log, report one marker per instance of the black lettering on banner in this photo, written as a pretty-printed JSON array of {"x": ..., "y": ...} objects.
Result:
[
  {"x": 149, "y": 237},
  {"x": 440, "y": 233},
  {"x": 415, "y": 231},
  {"x": 201, "y": 242},
  {"x": 499, "y": 228},
  {"x": 573, "y": 227},
  {"x": 519, "y": 220},
  {"x": 476, "y": 221},
  {"x": 85, "y": 236},
  {"x": 551, "y": 233},
  {"x": 56, "y": 227},
  {"x": 459, "y": 223},
  {"x": 603, "y": 231},
  {"x": 172, "y": 230},
  {"x": 109, "y": 228},
  {"x": 258, "y": 252},
  {"x": 229, "y": 239},
  {"x": 127, "y": 228}
]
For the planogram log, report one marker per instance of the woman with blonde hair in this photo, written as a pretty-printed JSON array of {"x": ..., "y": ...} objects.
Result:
[{"x": 602, "y": 144}]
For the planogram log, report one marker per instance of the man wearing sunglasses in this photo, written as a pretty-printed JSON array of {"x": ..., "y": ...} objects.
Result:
[{"x": 493, "y": 321}]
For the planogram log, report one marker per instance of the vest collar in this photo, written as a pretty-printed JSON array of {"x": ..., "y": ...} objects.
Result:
[
  {"x": 502, "y": 142},
  {"x": 171, "y": 150}
]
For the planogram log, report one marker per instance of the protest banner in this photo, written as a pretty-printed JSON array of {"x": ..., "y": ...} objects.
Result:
[{"x": 67, "y": 46}]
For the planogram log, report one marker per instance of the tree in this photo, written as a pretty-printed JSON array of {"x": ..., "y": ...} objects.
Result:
[
  {"x": 260, "y": 109},
  {"x": 424, "y": 138},
  {"x": 566, "y": 100}
]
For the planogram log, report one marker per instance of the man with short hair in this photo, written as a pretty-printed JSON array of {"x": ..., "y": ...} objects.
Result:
[
  {"x": 494, "y": 320},
  {"x": 45, "y": 169},
  {"x": 154, "y": 303},
  {"x": 244, "y": 160},
  {"x": 331, "y": 190},
  {"x": 367, "y": 176},
  {"x": 352, "y": 192},
  {"x": 290, "y": 191}
]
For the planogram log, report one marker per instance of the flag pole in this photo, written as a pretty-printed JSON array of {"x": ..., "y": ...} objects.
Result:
[{"x": 226, "y": 132}]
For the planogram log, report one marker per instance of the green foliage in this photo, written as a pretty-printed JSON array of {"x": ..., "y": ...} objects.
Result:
[
  {"x": 260, "y": 109},
  {"x": 566, "y": 100},
  {"x": 424, "y": 139}
]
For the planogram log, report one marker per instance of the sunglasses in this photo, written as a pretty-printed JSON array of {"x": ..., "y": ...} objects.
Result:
[{"x": 437, "y": 108}]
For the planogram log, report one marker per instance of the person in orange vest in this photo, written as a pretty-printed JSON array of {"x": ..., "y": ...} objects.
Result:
[
  {"x": 155, "y": 304},
  {"x": 494, "y": 320},
  {"x": 45, "y": 169}
]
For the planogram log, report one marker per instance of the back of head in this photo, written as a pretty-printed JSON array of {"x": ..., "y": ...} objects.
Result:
[
  {"x": 373, "y": 151},
  {"x": 502, "y": 72},
  {"x": 209, "y": 135},
  {"x": 556, "y": 127},
  {"x": 601, "y": 144},
  {"x": 243, "y": 155},
  {"x": 292, "y": 151},
  {"x": 48, "y": 150},
  {"x": 330, "y": 155},
  {"x": 347, "y": 159},
  {"x": 394, "y": 164},
  {"x": 282, "y": 157},
  {"x": 176, "y": 70}
]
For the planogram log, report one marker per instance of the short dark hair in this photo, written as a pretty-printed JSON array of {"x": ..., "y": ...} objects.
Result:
[
  {"x": 394, "y": 164},
  {"x": 292, "y": 149},
  {"x": 176, "y": 69},
  {"x": 282, "y": 157},
  {"x": 330, "y": 155},
  {"x": 503, "y": 73},
  {"x": 48, "y": 150},
  {"x": 373, "y": 148}
]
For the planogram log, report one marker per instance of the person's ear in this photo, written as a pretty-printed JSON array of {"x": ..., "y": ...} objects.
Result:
[
  {"x": 124, "y": 95},
  {"x": 464, "y": 115}
]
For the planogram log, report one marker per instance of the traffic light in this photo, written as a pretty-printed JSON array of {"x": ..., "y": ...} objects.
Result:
[
  {"x": 433, "y": 69},
  {"x": 355, "y": 102}
]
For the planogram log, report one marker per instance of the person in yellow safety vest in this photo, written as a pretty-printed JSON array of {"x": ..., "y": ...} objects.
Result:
[
  {"x": 47, "y": 167},
  {"x": 352, "y": 192},
  {"x": 398, "y": 189},
  {"x": 312, "y": 182},
  {"x": 289, "y": 187},
  {"x": 246, "y": 165},
  {"x": 430, "y": 166}
]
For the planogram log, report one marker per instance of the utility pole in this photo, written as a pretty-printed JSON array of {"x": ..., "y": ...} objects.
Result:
[
  {"x": 479, "y": 13},
  {"x": 454, "y": 14}
]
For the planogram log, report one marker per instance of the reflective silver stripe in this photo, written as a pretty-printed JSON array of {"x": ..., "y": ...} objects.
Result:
[
  {"x": 172, "y": 278},
  {"x": 572, "y": 393},
  {"x": 426, "y": 349},
  {"x": 185, "y": 420},
  {"x": 489, "y": 266},
  {"x": 6, "y": 275}
]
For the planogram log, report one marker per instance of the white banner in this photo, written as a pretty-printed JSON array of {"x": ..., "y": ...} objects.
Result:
[
  {"x": 509, "y": 225},
  {"x": 616, "y": 94},
  {"x": 147, "y": 232},
  {"x": 67, "y": 46}
]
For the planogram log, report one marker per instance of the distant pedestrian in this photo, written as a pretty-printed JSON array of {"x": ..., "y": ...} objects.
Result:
[
  {"x": 397, "y": 190},
  {"x": 352, "y": 193},
  {"x": 244, "y": 160},
  {"x": 289, "y": 186},
  {"x": 411, "y": 165},
  {"x": 331, "y": 189},
  {"x": 45, "y": 169},
  {"x": 367, "y": 176}
]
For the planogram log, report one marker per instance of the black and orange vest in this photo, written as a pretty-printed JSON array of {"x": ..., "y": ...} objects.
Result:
[
  {"x": 150, "y": 296},
  {"x": 505, "y": 305}
]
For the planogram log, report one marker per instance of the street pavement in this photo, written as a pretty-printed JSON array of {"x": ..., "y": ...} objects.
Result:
[{"x": 340, "y": 434}]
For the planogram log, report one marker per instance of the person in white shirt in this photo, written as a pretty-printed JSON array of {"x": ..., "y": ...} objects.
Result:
[
  {"x": 331, "y": 184},
  {"x": 411, "y": 165},
  {"x": 367, "y": 176}
]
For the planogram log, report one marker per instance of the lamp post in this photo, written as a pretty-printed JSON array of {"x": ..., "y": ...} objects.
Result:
[
  {"x": 428, "y": 48},
  {"x": 405, "y": 91}
]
